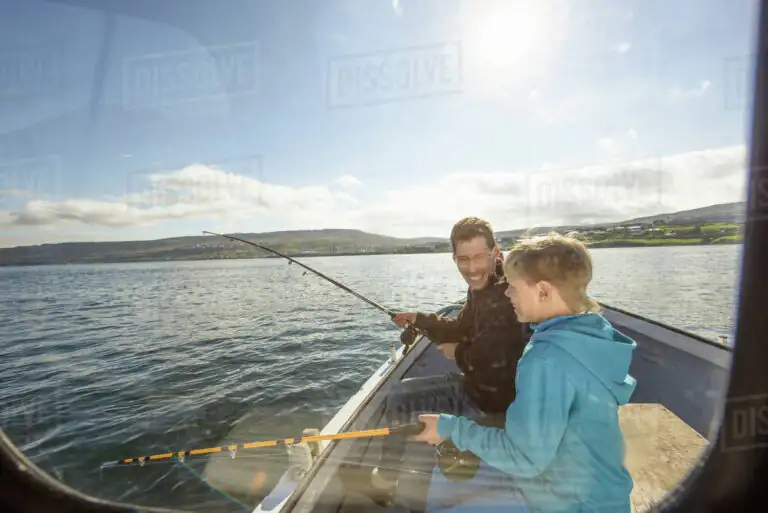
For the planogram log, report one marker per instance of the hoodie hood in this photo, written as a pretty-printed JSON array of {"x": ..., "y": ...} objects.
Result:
[{"x": 596, "y": 345}]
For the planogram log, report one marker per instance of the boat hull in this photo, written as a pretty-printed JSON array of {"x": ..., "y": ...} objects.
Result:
[{"x": 685, "y": 375}]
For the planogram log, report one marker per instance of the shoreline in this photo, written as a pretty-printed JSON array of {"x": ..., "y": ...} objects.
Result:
[
  {"x": 651, "y": 243},
  {"x": 640, "y": 243}
]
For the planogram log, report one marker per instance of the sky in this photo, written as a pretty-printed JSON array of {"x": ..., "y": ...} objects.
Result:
[{"x": 396, "y": 117}]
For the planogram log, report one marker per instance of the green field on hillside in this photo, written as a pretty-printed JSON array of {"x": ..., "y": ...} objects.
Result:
[{"x": 663, "y": 235}]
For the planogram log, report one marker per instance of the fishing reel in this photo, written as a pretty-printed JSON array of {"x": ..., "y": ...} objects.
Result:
[
  {"x": 408, "y": 336},
  {"x": 456, "y": 465}
]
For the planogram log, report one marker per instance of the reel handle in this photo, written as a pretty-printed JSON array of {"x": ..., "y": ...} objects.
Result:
[{"x": 456, "y": 465}]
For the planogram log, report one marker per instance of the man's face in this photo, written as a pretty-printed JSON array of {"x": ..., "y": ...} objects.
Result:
[{"x": 476, "y": 261}]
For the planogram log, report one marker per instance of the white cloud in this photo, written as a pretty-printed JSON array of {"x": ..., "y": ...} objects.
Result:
[
  {"x": 534, "y": 95},
  {"x": 623, "y": 47},
  {"x": 348, "y": 181},
  {"x": 677, "y": 93},
  {"x": 194, "y": 192},
  {"x": 551, "y": 195},
  {"x": 631, "y": 133}
]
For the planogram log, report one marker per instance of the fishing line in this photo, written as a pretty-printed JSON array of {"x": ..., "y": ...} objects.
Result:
[
  {"x": 371, "y": 302},
  {"x": 202, "y": 480},
  {"x": 345, "y": 288},
  {"x": 262, "y": 457}
]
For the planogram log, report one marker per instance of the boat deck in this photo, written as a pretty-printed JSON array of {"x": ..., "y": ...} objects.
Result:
[{"x": 660, "y": 450}]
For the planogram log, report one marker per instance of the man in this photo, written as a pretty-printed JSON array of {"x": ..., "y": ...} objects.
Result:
[{"x": 485, "y": 339}]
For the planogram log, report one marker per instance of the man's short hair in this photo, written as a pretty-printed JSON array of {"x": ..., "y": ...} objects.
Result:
[{"x": 470, "y": 227}]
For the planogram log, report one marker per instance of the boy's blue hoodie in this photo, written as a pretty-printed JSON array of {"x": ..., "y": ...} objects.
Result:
[{"x": 562, "y": 440}]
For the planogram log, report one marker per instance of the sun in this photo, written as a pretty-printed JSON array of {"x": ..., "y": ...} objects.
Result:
[
  {"x": 508, "y": 40},
  {"x": 507, "y": 36}
]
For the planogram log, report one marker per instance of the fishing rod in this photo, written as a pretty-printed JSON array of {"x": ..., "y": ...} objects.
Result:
[
  {"x": 407, "y": 337},
  {"x": 406, "y": 429},
  {"x": 456, "y": 465},
  {"x": 371, "y": 302}
]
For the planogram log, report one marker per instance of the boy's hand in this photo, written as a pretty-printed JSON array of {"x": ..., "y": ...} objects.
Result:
[{"x": 429, "y": 434}]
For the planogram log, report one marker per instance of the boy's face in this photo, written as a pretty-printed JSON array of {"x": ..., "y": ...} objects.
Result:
[
  {"x": 476, "y": 261},
  {"x": 526, "y": 299}
]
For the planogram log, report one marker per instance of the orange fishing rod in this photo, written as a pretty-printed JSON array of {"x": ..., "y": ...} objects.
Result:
[{"x": 407, "y": 429}]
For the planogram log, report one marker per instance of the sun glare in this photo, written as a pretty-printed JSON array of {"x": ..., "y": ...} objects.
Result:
[
  {"x": 508, "y": 41},
  {"x": 507, "y": 35}
]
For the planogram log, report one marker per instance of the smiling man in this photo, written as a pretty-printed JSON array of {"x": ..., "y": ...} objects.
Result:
[{"x": 485, "y": 339}]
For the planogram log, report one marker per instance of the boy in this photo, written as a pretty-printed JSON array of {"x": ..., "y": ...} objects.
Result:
[{"x": 561, "y": 441}]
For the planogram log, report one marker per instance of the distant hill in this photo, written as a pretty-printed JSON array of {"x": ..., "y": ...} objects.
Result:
[
  {"x": 300, "y": 242},
  {"x": 338, "y": 237},
  {"x": 722, "y": 213},
  {"x": 307, "y": 242}
]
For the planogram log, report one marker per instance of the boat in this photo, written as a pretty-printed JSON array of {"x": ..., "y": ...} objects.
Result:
[{"x": 668, "y": 426}]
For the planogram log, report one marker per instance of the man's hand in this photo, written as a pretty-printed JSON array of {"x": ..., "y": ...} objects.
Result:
[
  {"x": 402, "y": 319},
  {"x": 429, "y": 434},
  {"x": 448, "y": 349}
]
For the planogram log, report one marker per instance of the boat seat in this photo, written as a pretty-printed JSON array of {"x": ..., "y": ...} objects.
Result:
[{"x": 660, "y": 450}]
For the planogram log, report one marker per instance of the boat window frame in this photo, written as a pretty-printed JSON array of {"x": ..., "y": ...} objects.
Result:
[{"x": 723, "y": 481}]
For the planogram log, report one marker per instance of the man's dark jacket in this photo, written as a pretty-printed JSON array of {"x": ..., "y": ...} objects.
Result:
[{"x": 490, "y": 342}]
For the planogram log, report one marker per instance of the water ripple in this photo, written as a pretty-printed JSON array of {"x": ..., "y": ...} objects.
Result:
[{"x": 110, "y": 361}]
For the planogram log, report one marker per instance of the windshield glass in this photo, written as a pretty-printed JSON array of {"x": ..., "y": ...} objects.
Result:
[{"x": 350, "y": 136}]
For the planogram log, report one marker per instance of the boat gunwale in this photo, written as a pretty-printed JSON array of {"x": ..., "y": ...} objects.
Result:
[
  {"x": 679, "y": 331},
  {"x": 418, "y": 347}
]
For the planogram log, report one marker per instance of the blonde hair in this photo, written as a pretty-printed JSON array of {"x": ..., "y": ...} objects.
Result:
[{"x": 561, "y": 260}]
